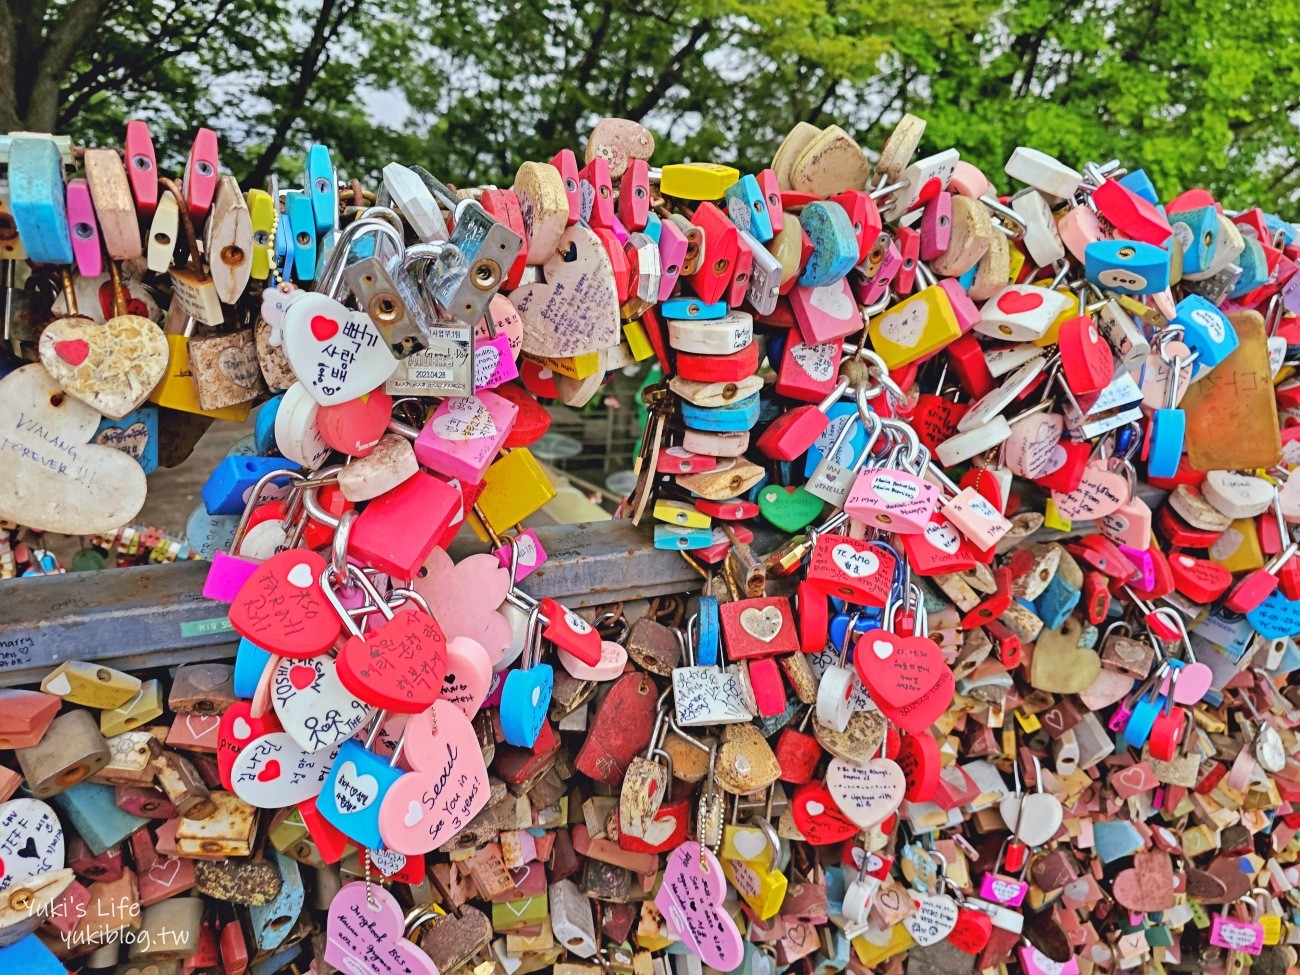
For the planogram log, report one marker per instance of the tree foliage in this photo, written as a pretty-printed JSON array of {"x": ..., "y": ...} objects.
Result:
[{"x": 1198, "y": 92}]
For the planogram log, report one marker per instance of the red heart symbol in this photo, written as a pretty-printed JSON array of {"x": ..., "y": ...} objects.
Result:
[
  {"x": 818, "y": 817},
  {"x": 907, "y": 677},
  {"x": 972, "y": 931},
  {"x": 1014, "y": 302},
  {"x": 72, "y": 351},
  {"x": 301, "y": 676},
  {"x": 270, "y": 772},
  {"x": 282, "y": 609},
  {"x": 324, "y": 328},
  {"x": 398, "y": 667}
]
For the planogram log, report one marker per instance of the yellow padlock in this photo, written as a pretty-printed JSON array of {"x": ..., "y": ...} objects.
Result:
[
  {"x": 638, "y": 341},
  {"x": 915, "y": 327},
  {"x": 574, "y": 367},
  {"x": 91, "y": 685},
  {"x": 697, "y": 181},
  {"x": 261, "y": 214},
  {"x": 870, "y": 953},
  {"x": 761, "y": 887},
  {"x": 515, "y": 486},
  {"x": 680, "y": 514},
  {"x": 1247, "y": 556},
  {"x": 177, "y": 391},
  {"x": 1054, "y": 519},
  {"x": 747, "y": 843}
]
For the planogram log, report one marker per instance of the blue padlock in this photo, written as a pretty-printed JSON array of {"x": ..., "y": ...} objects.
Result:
[
  {"x": 322, "y": 187},
  {"x": 250, "y": 664},
  {"x": 852, "y": 445},
  {"x": 1139, "y": 184},
  {"x": 269, "y": 928},
  {"x": 352, "y": 795},
  {"x": 732, "y": 418},
  {"x": 31, "y": 957},
  {"x": 264, "y": 426},
  {"x": 1127, "y": 267},
  {"x": 1055, "y": 603},
  {"x": 673, "y": 538},
  {"x": 210, "y": 534},
  {"x": 1206, "y": 331},
  {"x": 1276, "y": 617},
  {"x": 90, "y": 808},
  {"x": 707, "y": 624},
  {"x": 38, "y": 199},
  {"x": 284, "y": 250},
  {"x": 692, "y": 309},
  {"x": 301, "y": 218},
  {"x": 1254, "y": 268},
  {"x": 227, "y": 487},
  {"x": 747, "y": 208},
  {"x": 653, "y": 226},
  {"x": 135, "y": 434},
  {"x": 1198, "y": 231},
  {"x": 835, "y": 244}
]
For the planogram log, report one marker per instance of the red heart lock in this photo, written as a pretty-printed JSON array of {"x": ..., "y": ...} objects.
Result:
[
  {"x": 1086, "y": 357},
  {"x": 324, "y": 328},
  {"x": 972, "y": 931},
  {"x": 902, "y": 673},
  {"x": 238, "y": 727},
  {"x": 935, "y": 419},
  {"x": 1015, "y": 302},
  {"x": 354, "y": 427},
  {"x": 1199, "y": 579},
  {"x": 398, "y": 667},
  {"x": 282, "y": 608},
  {"x": 818, "y": 817}
]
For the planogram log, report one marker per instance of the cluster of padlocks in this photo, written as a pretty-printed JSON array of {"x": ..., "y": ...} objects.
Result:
[{"x": 985, "y": 481}]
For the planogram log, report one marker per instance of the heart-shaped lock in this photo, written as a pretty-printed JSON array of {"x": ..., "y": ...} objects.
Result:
[
  {"x": 446, "y": 788},
  {"x": 356, "y": 426},
  {"x": 363, "y": 934},
  {"x": 314, "y": 707},
  {"x": 690, "y": 899},
  {"x": 273, "y": 771},
  {"x": 31, "y": 840},
  {"x": 238, "y": 727},
  {"x": 337, "y": 354},
  {"x": 574, "y": 311},
  {"x": 283, "y": 609},
  {"x": 790, "y": 509},
  {"x": 866, "y": 794},
  {"x": 907, "y": 677},
  {"x": 817, "y": 816},
  {"x": 1099, "y": 493},
  {"x": 1148, "y": 886},
  {"x": 55, "y": 478},
  {"x": 934, "y": 917},
  {"x": 972, "y": 930},
  {"x": 1034, "y": 818}
]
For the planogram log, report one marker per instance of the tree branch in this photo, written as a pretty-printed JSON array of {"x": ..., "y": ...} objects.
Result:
[
  {"x": 668, "y": 74},
  {"x": 80, "y": 19},
  {"x": 8, "y": 70},
  {"x": 312, "y": 60}
]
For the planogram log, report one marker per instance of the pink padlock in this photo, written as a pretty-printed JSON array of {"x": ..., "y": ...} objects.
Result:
[
  {"x": 936, "y": 226},
  {"x": 895, "y": 497},
  {"x": 464, "y": 434},
  {"x": 84, "y": 230},
  {"x": 769, "y": 688},
  {"x": 878, "y": 271},
  {"x": 976, "y": 518},
  {"x": 494, "y": 362},
  {"x": 672, "y": 252},
  {"x": 825, "y": 313}
]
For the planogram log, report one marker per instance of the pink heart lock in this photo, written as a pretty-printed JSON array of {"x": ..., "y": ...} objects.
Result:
[
  {"x": 1193, "y": 683},
  {"x": 468, "y": 677},
  {"x": 355, "y": 427},
  {"x": 363, "y": 935},
  {"x": 690, "y": 899},
  {"x": 464, "y": 597},
  {"x": 1099, "y": 493},
  {"x": 446, "y": 787},
  {"x": 1028, "y": 452}
]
